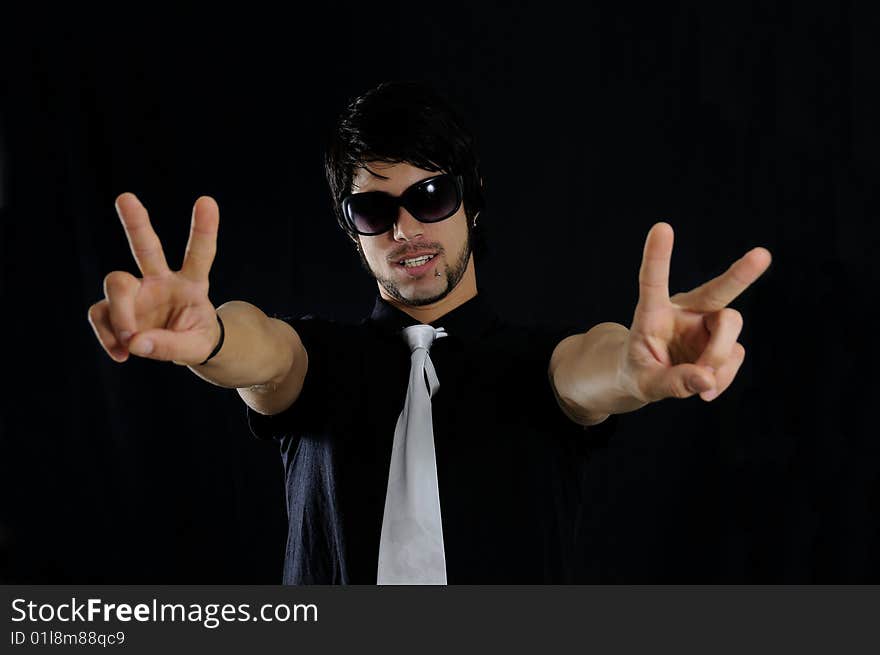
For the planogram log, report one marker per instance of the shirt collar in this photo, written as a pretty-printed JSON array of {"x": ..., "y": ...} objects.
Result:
[{"x": 472, "y": 318}]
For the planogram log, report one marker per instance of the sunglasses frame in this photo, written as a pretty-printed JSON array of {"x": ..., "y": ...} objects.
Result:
[{"x": 401, "y": 201}]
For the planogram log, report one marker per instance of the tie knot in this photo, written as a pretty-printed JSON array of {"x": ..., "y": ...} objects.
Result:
[{"x": 422, "y": 336}]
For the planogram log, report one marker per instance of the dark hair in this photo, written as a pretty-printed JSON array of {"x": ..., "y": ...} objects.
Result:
[{"x": 404, "y": 122}]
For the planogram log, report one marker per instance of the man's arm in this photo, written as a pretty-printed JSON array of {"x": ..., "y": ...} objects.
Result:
[
  {"x": 585, "y": 373},
  {"x": 675, "y": 348},
  {"x": 262, "y": 358}
]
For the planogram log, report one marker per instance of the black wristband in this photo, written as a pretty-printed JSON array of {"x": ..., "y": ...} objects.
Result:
[{"x": 219, "y": 343}]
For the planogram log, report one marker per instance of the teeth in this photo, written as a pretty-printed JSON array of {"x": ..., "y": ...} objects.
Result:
[{"x": 416, "y": 261}]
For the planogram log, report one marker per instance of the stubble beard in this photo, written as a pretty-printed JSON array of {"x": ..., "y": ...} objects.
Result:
[{"x": 453, "y": 276}]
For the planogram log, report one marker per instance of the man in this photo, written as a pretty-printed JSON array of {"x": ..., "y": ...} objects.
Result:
[{"x": 484, "y": 489}]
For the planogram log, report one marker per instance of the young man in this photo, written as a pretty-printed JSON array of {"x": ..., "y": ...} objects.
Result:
[{"x": 477, "y": 482}]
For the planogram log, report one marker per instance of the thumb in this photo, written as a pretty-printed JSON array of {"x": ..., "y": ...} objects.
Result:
[
  {"x": 683, "y": 381},
  {"x": 188, "y": 347}
]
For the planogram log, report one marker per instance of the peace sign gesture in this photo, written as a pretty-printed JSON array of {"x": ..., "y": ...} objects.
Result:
[
  {"x": 165, "y": 315},
  {"x": 685, "y": 344}
]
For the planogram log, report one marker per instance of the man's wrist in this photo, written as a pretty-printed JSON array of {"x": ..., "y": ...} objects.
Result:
[
  {"x": 219, "y": 343},
  {"x": 627, "y": 396},
  {"x": 615, "y": 392},
  {"x": 591, "y": 378}
]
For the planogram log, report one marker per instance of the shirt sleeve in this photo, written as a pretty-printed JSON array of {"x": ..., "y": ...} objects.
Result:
[{"x": 309, "y": 410}]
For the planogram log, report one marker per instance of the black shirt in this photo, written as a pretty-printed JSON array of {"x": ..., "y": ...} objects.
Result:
[{"x": 509, "y": 462}]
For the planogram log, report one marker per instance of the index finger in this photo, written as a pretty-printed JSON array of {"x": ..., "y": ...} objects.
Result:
[
  {"x": 144, "y": 244},
  {"x": 719, "y": 292},
  {"x": 202, "y": 244},
  {"x": 654, "y": 272}
]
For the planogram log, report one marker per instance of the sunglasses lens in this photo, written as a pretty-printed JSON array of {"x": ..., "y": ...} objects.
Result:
[
  {"x": 371, "y": 213},
  {"x": 434, "y": 199}
]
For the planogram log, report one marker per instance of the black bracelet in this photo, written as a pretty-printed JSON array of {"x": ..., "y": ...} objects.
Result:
[{"x": 219, "y": 343}]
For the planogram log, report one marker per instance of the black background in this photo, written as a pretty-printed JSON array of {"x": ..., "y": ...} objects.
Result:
[{"x": 740, "y": 123}]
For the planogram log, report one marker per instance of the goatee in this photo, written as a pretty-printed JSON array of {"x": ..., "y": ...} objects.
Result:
[{"x": 454, "y": 273}]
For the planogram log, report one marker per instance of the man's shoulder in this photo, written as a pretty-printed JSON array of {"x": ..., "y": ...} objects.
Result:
[
  {"x": 318, "y": 331},
  {"x": 535, "y": 333},
  {"x": 319, "y": 320}
]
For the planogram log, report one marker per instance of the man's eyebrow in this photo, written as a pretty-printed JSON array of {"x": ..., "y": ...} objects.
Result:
[{"x": 375, "y": 174}]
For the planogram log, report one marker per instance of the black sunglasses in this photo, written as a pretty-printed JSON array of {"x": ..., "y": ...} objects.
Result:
[{"x": 429, "y": 201}]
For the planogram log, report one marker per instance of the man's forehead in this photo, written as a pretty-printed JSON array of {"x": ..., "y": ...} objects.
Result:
[{"x": 386, "y": 176}]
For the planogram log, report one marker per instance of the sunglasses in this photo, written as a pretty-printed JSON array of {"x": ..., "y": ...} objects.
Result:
[{"x": 429, "y": 201}]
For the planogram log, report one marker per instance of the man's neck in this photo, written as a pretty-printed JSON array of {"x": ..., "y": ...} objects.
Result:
[{"x": 460, "y": 294}]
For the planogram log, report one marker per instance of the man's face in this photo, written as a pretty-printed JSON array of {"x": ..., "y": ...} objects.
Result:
[{"x": 447, "y": 242}]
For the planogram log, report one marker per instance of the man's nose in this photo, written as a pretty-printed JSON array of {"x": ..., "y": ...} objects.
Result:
[{"x": 406, "y": 227}]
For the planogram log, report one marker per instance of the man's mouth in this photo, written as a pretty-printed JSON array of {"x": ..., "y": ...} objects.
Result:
[
  {"x": 415, "y": 262},
  {"x": 418, "y": 265}
]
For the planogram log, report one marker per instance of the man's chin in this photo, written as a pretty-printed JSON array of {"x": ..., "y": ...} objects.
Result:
[{"x": 416, "y": 297}]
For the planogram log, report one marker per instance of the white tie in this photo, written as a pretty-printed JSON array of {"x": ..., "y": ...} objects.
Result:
[{"x": 411, "y": 545}]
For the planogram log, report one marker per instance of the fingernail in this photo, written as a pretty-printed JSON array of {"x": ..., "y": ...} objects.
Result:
[
  {"x": 125, "y": 335},
  {"x": 144, "y": 347},
  {"x": 710, "y": 395}
]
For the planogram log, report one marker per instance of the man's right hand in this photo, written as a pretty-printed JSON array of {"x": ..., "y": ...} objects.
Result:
[{"x": 165, "y": 315}]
